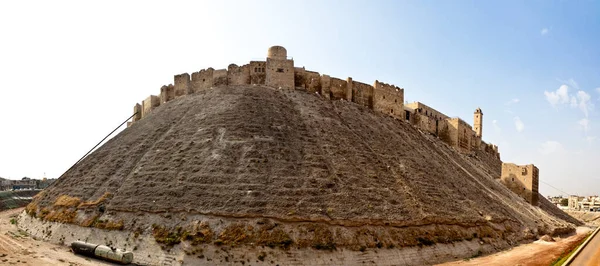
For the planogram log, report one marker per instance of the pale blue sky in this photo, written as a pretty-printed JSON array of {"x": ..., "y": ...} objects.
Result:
[{"x": 71, "y": 70}]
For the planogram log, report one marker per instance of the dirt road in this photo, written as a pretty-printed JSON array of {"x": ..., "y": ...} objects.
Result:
[
  {"x": 18, "y": 248},
  {"x": 538, "y": 253},
  {"x": 590, "y": 255}
]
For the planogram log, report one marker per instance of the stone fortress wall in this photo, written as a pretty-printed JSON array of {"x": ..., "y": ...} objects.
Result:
[
  {"x": 522, "y": 180},
  {"x": 278, "y": 71}
]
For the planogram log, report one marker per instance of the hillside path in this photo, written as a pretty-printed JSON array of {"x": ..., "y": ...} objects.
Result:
[
  {"x": 17, "y": 248},
  {"x": 538, "y": 253}
]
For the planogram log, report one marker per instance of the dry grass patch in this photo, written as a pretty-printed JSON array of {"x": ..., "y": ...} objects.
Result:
[
  {"x": 61, "y": 216},
  {"x": 166, "y": 237},
  {"x": 274, "y": 238},
  {"x": 67, "y": 201},
  {"x": 234, "y": 234},
  {"x": 31, "y": 209},
  {"x": 103, "y": 198}
]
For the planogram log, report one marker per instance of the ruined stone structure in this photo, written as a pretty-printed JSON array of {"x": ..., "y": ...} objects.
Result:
[
  {"x": 522, "y": 180},
  {"x": 279, "y": 72},
  {"x": 454, "y": 131}
]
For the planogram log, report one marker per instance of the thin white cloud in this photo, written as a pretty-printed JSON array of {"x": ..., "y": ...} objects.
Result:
[
  {"x": 550, "y": 147},
  {"x": 544, "y": 31},
  {"x": 573, "y": 102},
  {"x": 584, "y": 124},
  {"x": 584, "y": 102},
  {"x": 570, "y": 82},
  {"x": 561, "y": 95},
  {"x": 519, "y": 125},
  {"x": 598, "y": 90},
  {"x": 513, "y": 101},
  {"x": 580, "y": 99}
]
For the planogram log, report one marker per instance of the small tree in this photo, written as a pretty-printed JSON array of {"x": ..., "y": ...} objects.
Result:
[{"x": 564, "y": 202}]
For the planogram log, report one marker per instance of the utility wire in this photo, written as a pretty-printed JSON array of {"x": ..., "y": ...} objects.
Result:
[
  {"x": 568, "y": 194},
  {"x": 99, "y": 143}
]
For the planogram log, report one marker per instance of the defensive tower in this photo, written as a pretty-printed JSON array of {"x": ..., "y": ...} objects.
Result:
[
  {"x": 478, "y": 122},
  {"x": 280, "y": 70}
]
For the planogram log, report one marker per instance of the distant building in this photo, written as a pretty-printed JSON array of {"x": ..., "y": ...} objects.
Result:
[
  {"x": 25, "y": 183},
  {"x": 588, "y": 203},
  {"x": 5, "y": 184}
]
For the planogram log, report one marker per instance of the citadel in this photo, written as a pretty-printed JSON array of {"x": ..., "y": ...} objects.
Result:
[{"x": 278, "y": 71}]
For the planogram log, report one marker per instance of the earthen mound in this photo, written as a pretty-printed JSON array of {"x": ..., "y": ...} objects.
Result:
[{"x": 252, "y": 165}]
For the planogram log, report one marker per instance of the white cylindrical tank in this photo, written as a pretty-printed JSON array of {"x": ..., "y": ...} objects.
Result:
[{"x": 115, "y": 255}]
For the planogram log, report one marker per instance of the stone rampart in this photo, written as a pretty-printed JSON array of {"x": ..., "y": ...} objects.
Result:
[{"x": 278, "y": 71}]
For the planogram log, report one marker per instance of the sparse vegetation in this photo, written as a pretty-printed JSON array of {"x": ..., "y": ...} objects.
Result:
[
  {"x": 564, "y": 202},
  {"x": 235, "y": 234},
  {"x": 102, "y": 199},
  {"x": 202, "y": 235},
  {"x": 166, "y": 237},
  {"x": 67, "y": 201},
  {"x": 565, "y": 256},
  {"x": 274, "y": 238}
]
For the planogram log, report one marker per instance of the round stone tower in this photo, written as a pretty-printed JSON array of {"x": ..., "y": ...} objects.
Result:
[{"x": 277, "y": 52}]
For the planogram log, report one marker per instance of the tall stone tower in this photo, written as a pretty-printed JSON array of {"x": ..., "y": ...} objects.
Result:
[
  {"x": 478, "y": 122},
  {"x": 280, "y": 70},
  {"x": 522, "y": 180}
]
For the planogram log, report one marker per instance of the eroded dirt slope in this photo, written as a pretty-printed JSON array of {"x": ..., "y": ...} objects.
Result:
[{"x": 257, "y": 152}]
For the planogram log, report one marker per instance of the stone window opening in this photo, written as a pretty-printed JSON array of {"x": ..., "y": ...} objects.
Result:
[
  {"x": 395, "y": 100},
  {"x": 513, "y": 179},
  {"x": 383, "y": 97},
  {"x": 391, "y": 111},
  {"x": 280, "y": 70},
  {"x": 203, "y": 79}
]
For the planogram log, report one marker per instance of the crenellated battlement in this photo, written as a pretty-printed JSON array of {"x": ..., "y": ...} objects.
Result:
[{"x": 279, "y": 72}]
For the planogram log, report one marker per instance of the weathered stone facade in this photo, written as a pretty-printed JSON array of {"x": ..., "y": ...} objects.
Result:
[
  {"x": 279, "y": 72},
  {"x": 182, "y": 84},
  {"x": 202, "y": 79},
  {"x": 149, "y": 104},
  {"x": 137, "y": 112},
  {"x": 167, "y": 93},
  {"x": 388, "y": 99},
  {"x": 522, "y": 180}
]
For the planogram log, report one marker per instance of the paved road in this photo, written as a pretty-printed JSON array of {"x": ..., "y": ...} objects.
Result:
[{"x": 590, "y": 255}]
